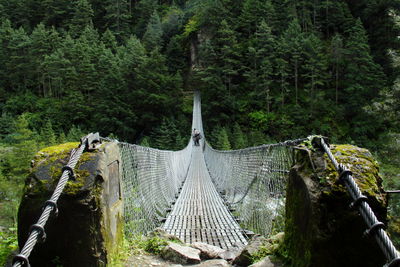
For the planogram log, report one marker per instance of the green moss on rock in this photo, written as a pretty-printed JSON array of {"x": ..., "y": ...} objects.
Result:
[
  {"x": 89, "y": 229},
  {"x": 320, "y": 228}
]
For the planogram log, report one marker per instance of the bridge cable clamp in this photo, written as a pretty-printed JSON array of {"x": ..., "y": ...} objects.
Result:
[
  {"x": 374, "y": 228},
  {"x": 92, "y": 141},
  {"x": 316, "y": 141},
  {"x": 21, "y": 258},
  {"x": 41, "y": 231},
  {"x": 344, "y": 173},
  {"x": 52, "y": 204},
  {"x": 358, "y": 201},
  {"x": 394, "y": 263},
  {"x": 71, "y": 172}
]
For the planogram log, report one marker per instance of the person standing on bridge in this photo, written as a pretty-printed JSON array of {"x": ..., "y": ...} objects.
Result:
[{"x": 196, "y": 137}]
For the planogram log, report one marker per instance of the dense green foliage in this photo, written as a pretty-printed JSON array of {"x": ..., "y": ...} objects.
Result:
[
  {"x": 268, "y": 70},
  {"x": 278, "y": 69}
]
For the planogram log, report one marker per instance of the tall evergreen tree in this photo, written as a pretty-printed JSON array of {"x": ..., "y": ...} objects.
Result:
[
  {"x": 222, "y": 140},
  {"x": 109, "y": 40},
  {"x": 152, "y": 38},
  {"x": 292, "y": 44},
  {"x": 255, "y": 11},
  {"x": 82, "y": 17},
  {"x": 56, "y": 12},
  {"x": 44, "y": 42},
  {"x": 336, "y": 54},
  {"x": 238, "y": 140},
  {"x": 315, "y": 66},
  {"x": 118, "y": 17},
  {"x": 47, "y": 134},
  {"x": 18, "y": 52},
  {"x": 264, "y": 45},
  {"x": 362, "y": 76},
  {"x": 227, "y": 54},
  {"x": 143, "y": 11},
  {"x": 24, "y": 142}
]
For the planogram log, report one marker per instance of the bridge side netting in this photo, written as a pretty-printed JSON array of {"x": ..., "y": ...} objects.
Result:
[
  {"x": 253, "y": 182},
  {"x": 151, "y": 180}
]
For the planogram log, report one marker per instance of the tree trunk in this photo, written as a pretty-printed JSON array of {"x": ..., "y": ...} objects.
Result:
[{"x": 296, "y": 79}]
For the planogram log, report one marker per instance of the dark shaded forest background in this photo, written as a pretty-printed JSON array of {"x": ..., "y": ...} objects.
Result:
[{"x": 268, "y": 70}]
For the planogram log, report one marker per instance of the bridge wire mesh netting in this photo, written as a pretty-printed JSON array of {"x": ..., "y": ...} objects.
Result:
[
  {"x": 253, "y": 182},
  {"x": 151, "y": 181}
]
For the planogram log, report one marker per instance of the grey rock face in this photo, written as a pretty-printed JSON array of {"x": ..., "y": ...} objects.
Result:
[
  {"x": 208, "y": 251},
  {"x": 244, "y": 258},
  {"x": 181, "y": 254},
  {"x": 266, "y": 262},
  {"x": 214, "y": 263}
]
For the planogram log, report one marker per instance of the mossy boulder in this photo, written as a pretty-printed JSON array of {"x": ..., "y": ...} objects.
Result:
[
  {"x": 321, "y": 229},
  {"x": 258, "y": 249},
  {"x": 88, "y": 229}
]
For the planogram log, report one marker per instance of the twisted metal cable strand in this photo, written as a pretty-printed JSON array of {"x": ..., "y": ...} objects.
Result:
[
  {"x": 368, "y": 215},
  {"x": 36, "y": 234}
]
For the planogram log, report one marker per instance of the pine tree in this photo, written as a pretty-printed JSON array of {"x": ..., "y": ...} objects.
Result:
[
  {"x": 291, "y": 46},
  {"x": 61, "y": 138},
  {"x": 152, "y": 38},
  {"x": 24, "y": 147},
  {"x": 16, "y": 68},
  {"x": 165, "y": 136},
  {"x": 118, "y": 18},
  {"x": 6, "y": 121},
  {"x": 222, "y": 142},
  {"x": 75, "y": 134},
  {"x": 55, "y": 12},
  {"x": 145, "y": 142},
  {"x": 227, "y": 53},
  {"x": 265, "y": 49},
  {"x": 176, "y": 57},
  {"x": 143, "y": 11},
  {"x": 362, "y": 76},
  {"x": 56, "y": 69},
  {"x": 336, "y": 54},
  {"x": 282, "y": 19},
  {"x": 315, "y": 66},
  {"x": 255, "y": 11},
  {"x": 44, "y": 42},
  {"x": 109, "y": 40},
  {"x": 238, "y": 138},
  {"x": 47, "y": 134},
  {"x": 83, "y": 17}
]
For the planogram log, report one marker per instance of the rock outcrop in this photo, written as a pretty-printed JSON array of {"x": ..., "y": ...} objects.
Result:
[
  {"x": 208, "y": 251},
  {"x": 181, "y": 254},
  {"x": 88, "y": 229},
  {"x": 321, "y": 229}
]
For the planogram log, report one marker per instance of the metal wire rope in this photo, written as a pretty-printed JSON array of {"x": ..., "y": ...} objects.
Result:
[
  {"x": 375, "y": 227},
  {"x": 37, "y": 231}
]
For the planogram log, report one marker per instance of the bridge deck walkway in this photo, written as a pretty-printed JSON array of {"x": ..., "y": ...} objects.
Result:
[{"x": 200, "y": 214}]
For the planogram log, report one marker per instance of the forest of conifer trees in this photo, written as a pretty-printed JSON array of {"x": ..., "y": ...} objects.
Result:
[{"x": 268, "y": 70}]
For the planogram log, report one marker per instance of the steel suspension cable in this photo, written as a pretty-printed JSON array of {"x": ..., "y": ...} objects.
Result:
[
  {"x": 37, "y": 232},
  {"x": 375, "y": 227}
]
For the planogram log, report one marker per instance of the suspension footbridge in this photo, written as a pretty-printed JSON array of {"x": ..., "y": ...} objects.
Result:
[{"x": 203, "y": 195}]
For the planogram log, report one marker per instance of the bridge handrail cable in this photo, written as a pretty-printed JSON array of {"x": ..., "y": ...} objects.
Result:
[
  {"x": 37, "y": 232},
  {"x": 375, "y": 227}
]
